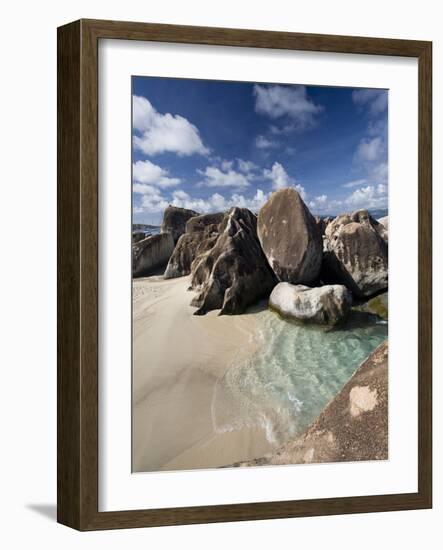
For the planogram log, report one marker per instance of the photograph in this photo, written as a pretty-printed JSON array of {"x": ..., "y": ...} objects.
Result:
[{"x": 259, "y": 274}]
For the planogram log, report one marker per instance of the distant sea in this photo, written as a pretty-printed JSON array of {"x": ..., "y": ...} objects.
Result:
[{"x": 146, "y": 229}]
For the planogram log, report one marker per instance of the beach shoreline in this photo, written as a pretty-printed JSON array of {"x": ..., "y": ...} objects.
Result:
[{"x": 178, "y": 358}]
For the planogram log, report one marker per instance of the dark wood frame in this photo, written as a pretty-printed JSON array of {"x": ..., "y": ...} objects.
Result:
[{"x": 77, "y": 451}]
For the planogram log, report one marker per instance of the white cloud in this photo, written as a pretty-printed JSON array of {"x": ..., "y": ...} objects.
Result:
[
  {"x": 246, "y": 166},
  {"x": 144, "y": 171},
  {"x": 218, "y": 203},
  {"x": 144, "y": 189},
  {"x": 354, "y": 183},
  {"x": 226, "y": 165},
  {"x": 214, "y": 177},
  {"x": 164, "y": 132},
  {"x": 370, "y": 150},
  {"x": 323, "y": 205},
  {"x": 379, "y": 173},
  {"x": 262, "y": 142},
  {"x": 291, "y": 101},
  {"x": 375, "y": 100},
  {"x": 368, "y": 197},
  {"x": 280, "y": 179},
  {"x": 152, "y": 201}
]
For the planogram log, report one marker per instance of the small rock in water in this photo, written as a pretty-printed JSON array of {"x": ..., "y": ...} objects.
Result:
[{"x": 327, "y": 305}]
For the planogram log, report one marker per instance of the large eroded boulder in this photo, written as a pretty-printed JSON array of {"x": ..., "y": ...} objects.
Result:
[
  {"x": 138, "y": 236},
  {"x": 174, "y": 221},
  {"x": 327, "y": 305},
  {"x": 199, "y": 223},
  {"x": 322, "y": 223},
  {"x": 290, "y": 238},
  {"x": 234, "y": 272},
  {"x": 353, "y": 426},
  {"x": 151, "y": 253},
  {"x": 187, "y": 248},
  {"x": 356, "y": 253}
]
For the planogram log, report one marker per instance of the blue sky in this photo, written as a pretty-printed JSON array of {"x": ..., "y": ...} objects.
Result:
[{"x": 209, "y": 145}]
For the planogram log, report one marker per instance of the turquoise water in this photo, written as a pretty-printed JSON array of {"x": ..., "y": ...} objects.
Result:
[{"x": 294, "y": 373}]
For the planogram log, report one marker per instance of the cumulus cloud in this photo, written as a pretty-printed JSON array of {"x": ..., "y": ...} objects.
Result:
[
  {"x": 324, "y": 205},
  {"x": 280, "y": 179},
  {"x": 372, "y": 152},
  {"x": 214, "y": 177},
  {"x": 370, "y": 149},
  {"x": 371, "y": 196},
  {"x": 160, "y": 133},
  {"x": 379, "y": 172},
  {"x": 246, "y": 166},
  {"x": 375, "y": 100},
  {"x": 217, "y": 203},
  {"x": 262, "y": 142},
  {"x": 278, "y": 101},
  {"x": 354, "y": 183},
  {"x": 227, "y": 165},
  {"x": 152, "y": 201},
  {"x": 146, "y": 172}
]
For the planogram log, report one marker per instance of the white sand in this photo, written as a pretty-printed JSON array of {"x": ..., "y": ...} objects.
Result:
[{"x": 178, "y": 358}]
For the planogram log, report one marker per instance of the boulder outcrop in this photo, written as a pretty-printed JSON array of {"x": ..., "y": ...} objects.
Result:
[
  {"x": 356, "y": 254},
  {"x": 290, "y": 238},
  {"x": 138, "y": 236},
  {"x": 199, "y": 223},
  {"x": 322, "y": 223},
  {"x": 353, "y": 426},
  {"x": 151, "y": 253},
  {"x": 384, "y": 221},
  {"x": 233, "y": 273},
  {"x": 326, "y": 305},
  {"x": 378, "y": 305},
  {"x": 174, "y": 221},
  {"x": 187, "y": 248}
]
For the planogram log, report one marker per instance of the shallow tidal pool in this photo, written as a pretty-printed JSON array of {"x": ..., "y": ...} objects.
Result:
[{"x": 294, "y": 372}]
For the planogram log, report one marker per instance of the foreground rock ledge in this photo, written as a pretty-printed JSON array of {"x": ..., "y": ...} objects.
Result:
[
  {"x": 326, "y": 305},
  {"x": 353, "y": 426}
]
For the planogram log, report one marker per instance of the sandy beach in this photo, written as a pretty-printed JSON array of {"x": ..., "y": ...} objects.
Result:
[{"x": 177, "y": 360}]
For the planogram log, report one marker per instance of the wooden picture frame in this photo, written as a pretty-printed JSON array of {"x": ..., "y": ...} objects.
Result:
[{"x": 77, "y": 455}]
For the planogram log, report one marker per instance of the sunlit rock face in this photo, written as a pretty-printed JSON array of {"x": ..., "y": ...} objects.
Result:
[
  {"x": 356, "y": 253},
  {"x": 290, "y": 238}
]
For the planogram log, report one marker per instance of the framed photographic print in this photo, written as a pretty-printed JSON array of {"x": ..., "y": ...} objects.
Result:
[{"x": 235, "y": 341}]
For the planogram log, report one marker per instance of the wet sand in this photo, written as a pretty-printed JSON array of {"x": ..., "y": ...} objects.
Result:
[{"x": 177, "y": 360}]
